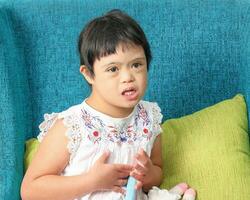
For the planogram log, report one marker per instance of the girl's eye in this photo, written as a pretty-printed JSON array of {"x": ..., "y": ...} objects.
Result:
[
  {"x": 136, "y": 65},
  {"x": 113, "y": 69}
]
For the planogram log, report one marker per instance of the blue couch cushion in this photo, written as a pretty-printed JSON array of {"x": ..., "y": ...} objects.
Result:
[
  {"x": 199, "y": 51},
  {"x": 14, "y": 109}
]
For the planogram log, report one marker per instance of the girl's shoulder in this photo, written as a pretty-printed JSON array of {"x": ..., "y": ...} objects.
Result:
[
  {"x": 150, "y": 105},
  {"x": 153, "y": 109},
  {"x": 69, "y": 116},
  {"x": 150, "y": 112}
]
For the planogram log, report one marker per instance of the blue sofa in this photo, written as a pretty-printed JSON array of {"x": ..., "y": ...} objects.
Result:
[{"x": 201, "y": 55}]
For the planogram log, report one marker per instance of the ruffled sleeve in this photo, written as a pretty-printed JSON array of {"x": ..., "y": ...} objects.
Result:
[
  {"x": 72, "y": 122},
  {"x": 156, "y": 119},
  {"x": 153, "y": 129},
  {"x": 74, "y": 133},
  {"x": 49, "y": 120}
]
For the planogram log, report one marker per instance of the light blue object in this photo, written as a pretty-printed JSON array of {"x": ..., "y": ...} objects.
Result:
[
  {"x": 200, "y": 52},
  {"x": 131, "y": 191}
]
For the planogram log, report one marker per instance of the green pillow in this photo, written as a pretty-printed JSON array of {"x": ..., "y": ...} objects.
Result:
[
  {"x": 31, "y": 148},
  {"x": 210, "y": 151}
]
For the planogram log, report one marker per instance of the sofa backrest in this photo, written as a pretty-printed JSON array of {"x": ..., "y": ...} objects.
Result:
[
  {"x": 199, "y": 51},
  {"x": 15, "y": 119}
]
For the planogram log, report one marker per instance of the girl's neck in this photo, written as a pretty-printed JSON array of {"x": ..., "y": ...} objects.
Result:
[{"x": 108, "y": 109}]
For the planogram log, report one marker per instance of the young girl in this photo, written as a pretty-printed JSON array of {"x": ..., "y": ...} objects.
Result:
[{"x": 89, "y": 150}]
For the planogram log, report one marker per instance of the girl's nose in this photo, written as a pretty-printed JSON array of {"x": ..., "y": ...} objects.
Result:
[{"x": 127, "y": 76}]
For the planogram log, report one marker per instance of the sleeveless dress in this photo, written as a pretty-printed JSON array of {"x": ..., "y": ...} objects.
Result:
[{"x": 91, "y": 132}]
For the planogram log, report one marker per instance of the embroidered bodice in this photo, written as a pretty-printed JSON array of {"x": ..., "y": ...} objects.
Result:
[{"x": 90, "y": 133}]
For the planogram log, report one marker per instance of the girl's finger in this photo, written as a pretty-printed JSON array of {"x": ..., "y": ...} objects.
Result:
[
  {"x": 123, "y": 167},
  {"x": 121, "y": 182},
  {"x": 138, "y": 185},
  {"x": 118, "y": 189},
  {"x": 138, "y": 177},
  {"x": 143, "y": 153},
  {"x": 141, "y": 169},
  {"x": 142, "y": 158},
  {"x": 123, "y": 175}
]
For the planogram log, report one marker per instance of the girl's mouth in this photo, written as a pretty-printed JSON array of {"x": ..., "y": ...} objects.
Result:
[{"x": 130, "y": 94}]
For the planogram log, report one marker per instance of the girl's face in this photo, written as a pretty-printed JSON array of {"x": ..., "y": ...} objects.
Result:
[{"x": 119, "y": 82}]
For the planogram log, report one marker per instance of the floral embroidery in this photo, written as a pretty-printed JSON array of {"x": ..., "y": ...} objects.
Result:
[
  {"x": 131, "y": 134},
  {"x": 98, "y": 131},
  {"x": 142, "y": 115},
  {"x": 95, "y": 137},
  {"x": 113, "y": 134},
  {"x": 147, "y": 134},
  {"x": 88, "y": 119},
  {"x": 145, "y": 130},
  {"x": 125, "y": 134}
]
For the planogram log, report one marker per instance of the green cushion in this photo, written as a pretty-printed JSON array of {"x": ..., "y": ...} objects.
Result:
[
  {"x": 210, "y": 151},
  {"x": 31, "y": 148}
]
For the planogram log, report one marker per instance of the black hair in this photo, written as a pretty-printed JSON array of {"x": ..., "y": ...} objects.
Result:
[{"x": 101, "y": 36}]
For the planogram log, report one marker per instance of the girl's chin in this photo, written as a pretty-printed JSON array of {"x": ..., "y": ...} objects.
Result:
[{"x": 129, "y": 104}]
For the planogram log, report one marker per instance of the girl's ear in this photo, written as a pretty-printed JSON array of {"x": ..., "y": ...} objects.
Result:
[{"x": 87, "y": 74}]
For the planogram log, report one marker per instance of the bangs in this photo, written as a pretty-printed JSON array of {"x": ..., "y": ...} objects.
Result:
[
  {"x": 110, "y": 47},
  {"x": 107, "y": 38}
]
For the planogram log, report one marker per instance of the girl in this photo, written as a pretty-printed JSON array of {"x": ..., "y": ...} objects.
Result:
[{"x": 90, "y": 150}]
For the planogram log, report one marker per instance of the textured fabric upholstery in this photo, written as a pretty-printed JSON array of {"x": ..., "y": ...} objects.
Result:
[
  {"x": 200, "y": 53},
  {"x": 14, "y": 110}
]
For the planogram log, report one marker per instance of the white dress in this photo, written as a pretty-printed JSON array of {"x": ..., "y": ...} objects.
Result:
[{"x": 91, "y": 132}]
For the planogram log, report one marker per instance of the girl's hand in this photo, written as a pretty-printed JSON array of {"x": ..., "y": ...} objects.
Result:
[
  {"x": 143, "y": 169},
  {"x": 110, "y": 176}
]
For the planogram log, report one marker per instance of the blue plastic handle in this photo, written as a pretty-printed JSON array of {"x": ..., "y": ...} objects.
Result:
[{"x": 131, "y": 191}]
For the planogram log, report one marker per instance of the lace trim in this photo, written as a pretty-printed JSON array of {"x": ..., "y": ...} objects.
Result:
[
  {"x": 73, "y": 133},
  {"x": 157, "y": 118},
  {"x": 49, "y": 120}
]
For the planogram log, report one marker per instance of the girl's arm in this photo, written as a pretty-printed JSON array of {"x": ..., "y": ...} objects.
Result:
[
  {"x": 155, "y": 178},
  {"x": 42, "y": 180}
]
